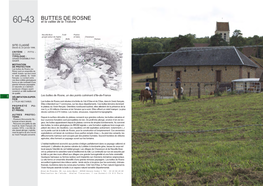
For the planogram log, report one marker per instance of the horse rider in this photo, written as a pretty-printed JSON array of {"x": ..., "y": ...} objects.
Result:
[
  {"x": 178, "y": 82},
  {"x": 147, "y": 86}
]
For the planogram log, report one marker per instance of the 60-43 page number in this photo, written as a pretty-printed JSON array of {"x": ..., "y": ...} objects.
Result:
[{"x": 19, "y": 19}]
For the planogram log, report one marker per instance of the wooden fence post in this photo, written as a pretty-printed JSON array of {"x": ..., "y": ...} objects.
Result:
[
  {"x": 153, "y": 86},
  {"x": 189, "y": 91},
  {"x": 199, "y": 91},
  {"x": 232, "y": 86},
  {"x": 153, "y": 90},
  {"x": 245, "y": 87},
  {"x": 217, "y": 87}
]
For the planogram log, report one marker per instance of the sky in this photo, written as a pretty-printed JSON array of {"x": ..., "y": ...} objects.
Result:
[{"x": 167, "y": 18}]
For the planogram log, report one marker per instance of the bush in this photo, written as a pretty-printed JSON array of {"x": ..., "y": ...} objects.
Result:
[
  {"x": 185, "y": 98},
  {"x": 218, "y": 94},
  {"x": 231, "y": 93},
  {"x": 175, "y": 100}
]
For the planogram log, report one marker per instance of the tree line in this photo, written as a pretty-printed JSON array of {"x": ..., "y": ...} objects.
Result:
[{"x": 144, "y": 63}]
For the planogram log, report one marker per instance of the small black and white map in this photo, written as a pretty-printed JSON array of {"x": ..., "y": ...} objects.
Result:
[{"x": 83, "y": 66}]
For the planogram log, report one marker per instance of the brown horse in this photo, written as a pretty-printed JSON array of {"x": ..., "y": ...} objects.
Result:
[{"x": 145, "y": 95}]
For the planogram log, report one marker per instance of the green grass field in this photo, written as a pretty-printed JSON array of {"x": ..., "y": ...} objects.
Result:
[{"x": 223, "y": 157}]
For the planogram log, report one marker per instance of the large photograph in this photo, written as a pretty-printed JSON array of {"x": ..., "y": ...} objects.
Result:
[{"x": 197, "y": 77}]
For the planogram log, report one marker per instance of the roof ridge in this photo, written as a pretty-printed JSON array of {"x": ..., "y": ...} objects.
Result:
[
  {"x": 238, "y": 55},
  {"x": 207, "y": 47},
  {"x": 204, "y": 48},
  {"x": 243, "y": 55},
  {"x": 164, "y": 58}
]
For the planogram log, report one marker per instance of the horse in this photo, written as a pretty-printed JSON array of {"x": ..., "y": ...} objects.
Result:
[
  {"x": 145, "y": 95},
  {"x": 175, "y": 92}
]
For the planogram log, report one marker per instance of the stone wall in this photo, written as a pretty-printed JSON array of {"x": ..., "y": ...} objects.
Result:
[
  {"x": 245, "y": 71},
  {"x": 206, "y": 75}
]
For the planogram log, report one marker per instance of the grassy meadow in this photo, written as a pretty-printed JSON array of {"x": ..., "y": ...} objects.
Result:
[{"x": 221, "y": 157}]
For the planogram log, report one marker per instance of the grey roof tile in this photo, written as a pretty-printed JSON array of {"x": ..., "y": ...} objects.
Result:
[{"x": 206, "y": 56}]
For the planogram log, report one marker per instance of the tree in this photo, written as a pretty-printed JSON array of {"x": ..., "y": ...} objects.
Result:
[
  {"x": 166, "y": 44},
  {"x": 146, "y": 62},
  {"x": 181, "y": 41},
  {"x": 237, "y": 39},
  {"x": 237, "y": 33},
  {"x": 155, "y": 46},
  {"x": 191, "y": 36},
  {"x": 202, "y": 40},
  {"x": 138, "y": 47},
  {"x": 257, "y": 41},
  {"x": 217, "y": 40}
]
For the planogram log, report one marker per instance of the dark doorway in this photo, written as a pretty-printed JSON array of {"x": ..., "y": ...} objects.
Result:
[
  {"x": 218, "y": 75},
  {"x": 178, "y": 74}
]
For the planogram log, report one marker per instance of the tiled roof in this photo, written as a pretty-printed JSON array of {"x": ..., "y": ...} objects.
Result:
[
  {"x": 222, "y": 26},
  {"x": 206, "y": 56},
  {"x": 248, "y": 51}
]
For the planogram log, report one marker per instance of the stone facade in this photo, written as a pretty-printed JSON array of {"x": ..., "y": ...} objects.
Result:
[
  {"x": 205, "y": 75},
  {"x": 224, "y": 35}
]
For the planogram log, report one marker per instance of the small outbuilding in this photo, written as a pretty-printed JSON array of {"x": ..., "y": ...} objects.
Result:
[{"x": 247, "y": 85}]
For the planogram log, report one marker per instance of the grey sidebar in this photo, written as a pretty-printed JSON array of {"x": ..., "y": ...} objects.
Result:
[{"x": 23, "y": 93}]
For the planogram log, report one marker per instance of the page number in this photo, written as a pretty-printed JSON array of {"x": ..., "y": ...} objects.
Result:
[{"x": 20, "y": 19}]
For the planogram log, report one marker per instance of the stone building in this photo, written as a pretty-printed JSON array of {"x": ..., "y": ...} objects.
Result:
[
  {"x": 206, "y": 65},
  {"x": 222, "y": 28}
]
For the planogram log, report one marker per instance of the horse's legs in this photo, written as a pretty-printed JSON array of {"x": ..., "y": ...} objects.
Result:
[{"x": 174, "y": 94}]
